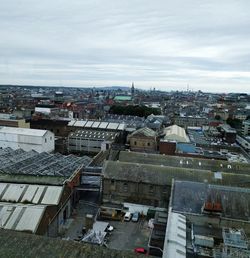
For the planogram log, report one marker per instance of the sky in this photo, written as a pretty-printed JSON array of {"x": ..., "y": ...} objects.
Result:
[{"x": 159, "y": 44}]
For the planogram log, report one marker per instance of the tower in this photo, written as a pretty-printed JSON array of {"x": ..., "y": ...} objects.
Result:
[{"x": 132, "y": 89}]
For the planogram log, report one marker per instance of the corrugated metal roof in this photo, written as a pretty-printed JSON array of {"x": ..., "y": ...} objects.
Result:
[
  {"x": 175, "y": 238},
  {"x": 89, "y": 124},
  {"x": 113, "y": 126},
  {"x": 21, "y": 217},
  {"x": 103, "y": 125},
  {"x": 80, "y": 123},
  {"x": 31, "y": 218},
  {"x": 96, "y": 124},
  {"x": 71, "y": 123},
  {"x": 52, "y": 195},
  {"x": 23, "y": 131},
  {"x": 24, "y": 193},
  {"x": 121, "y": 127}
]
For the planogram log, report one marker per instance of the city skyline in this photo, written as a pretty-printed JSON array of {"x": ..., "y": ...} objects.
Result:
[{"x": 159, "y": 44}]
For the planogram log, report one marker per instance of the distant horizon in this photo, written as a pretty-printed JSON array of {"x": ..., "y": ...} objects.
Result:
[{"x": 121, "y": 86}]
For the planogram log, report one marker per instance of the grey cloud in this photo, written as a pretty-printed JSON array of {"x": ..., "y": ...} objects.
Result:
[{"x": 107, "y": 42}]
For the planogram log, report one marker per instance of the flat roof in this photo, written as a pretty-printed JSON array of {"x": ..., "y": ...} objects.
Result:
[{"x": 22, "y": 131}]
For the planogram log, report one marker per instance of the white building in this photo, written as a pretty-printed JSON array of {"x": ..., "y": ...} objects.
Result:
[
  {"x": 175, "y": 133},
  {"x": 27, "y": 139}
]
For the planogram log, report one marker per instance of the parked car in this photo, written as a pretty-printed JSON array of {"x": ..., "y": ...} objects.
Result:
[
  {"x": 135, "y": 216},
  {"x": 127, "y": 216},
  {"x": 141, "y": 250}
]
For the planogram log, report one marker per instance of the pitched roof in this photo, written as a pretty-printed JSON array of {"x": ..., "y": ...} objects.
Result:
[
  {"x": 163, "y": 175},
  {"x": 176, "y": 133},
  {"x": 144, "y": 132},
  {"x": 23, "y": 245}
]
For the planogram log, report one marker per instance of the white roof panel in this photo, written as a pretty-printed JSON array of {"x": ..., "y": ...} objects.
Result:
[
  {"x": 113, "y": 126},
  {"x": 89, "y": 124},
  {"x": 103, "y": 125},
  {"x": 30, "y": 193},
  {"x": 95, "y": 124},
  {"x": 13, "y": 193},
  {"x": 2, "y": 187},
  {"x": 31, "y": 218},
  {"x": 5, "y": 213},
  {"x": 22, "y": 131},
  {"x": 175, "y": 239},
  {"x": 121, "y": 127},
  {"x": 14, "y": 216},
  {"x": 52, "y": 195},
  {"x": 80, "y": 123},
  {"x": 38, "y": 194},
  {"x": 71, "y": 123}
]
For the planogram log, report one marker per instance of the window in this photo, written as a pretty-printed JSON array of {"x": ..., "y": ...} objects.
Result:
[
  {"x": 51, "y": 138},
  {"x": 134, "y": 142},
  {"x": 45, "y": 140},
  {"x": 125, "y": 187},
  {"x": 151, "y": 189},
  {"x": 148, "y": 143}
]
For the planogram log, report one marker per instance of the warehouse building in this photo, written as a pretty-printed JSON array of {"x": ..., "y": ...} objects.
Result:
[
  {"x": 91, "y": 141},
  {"x": 216, "y": 221},
  {"x": 143, "y": 140},
  {"x": 27, "y": 139},
  {"x": 37, "y": 190}
]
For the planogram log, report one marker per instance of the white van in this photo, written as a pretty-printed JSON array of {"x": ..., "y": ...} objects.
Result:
[{"x": 127, "y": 216}]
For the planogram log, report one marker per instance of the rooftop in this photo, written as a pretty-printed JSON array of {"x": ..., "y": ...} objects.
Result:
[
  {"x": 189, "y": 197},
  {"x": 185, "y": 162},
  {"x": 144, "y": 132},
  {"x": 23, "y": 245},
  {"x": 177, "y": 133},
  {"x": 21, "y": 217},
  {"x": 23, "y": 131},
  {"x": 123, "y": 98},
  {"x": 90, "y": 124},
  {"x": 163, "y": 175},
  {"x": 93, "y": 134},
  {"x": 24, "y": 193},
  {"x": 21, "y": 165},
  {"x": 175, "y": 239}
]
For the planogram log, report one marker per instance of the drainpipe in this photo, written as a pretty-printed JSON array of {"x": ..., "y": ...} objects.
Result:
[{"x": 153, "y": 247}]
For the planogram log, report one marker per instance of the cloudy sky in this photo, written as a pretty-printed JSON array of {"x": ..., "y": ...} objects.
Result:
[{"x": 155, "y": 43}]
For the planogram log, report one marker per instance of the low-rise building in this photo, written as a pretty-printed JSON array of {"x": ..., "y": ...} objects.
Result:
[
  {"x": 246, "y": 127},
  {"x": 91, "y": 140},
  {"x": 143, "y": 139},
  {"x": 27, "y": 139},
  {"x": 193, "y": 121},
  {"x": 228, "y": 133},
  {"x": 37, "y": 190}
]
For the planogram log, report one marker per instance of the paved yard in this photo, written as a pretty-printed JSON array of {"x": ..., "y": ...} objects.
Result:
[{"x": 129, "y": 235}]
